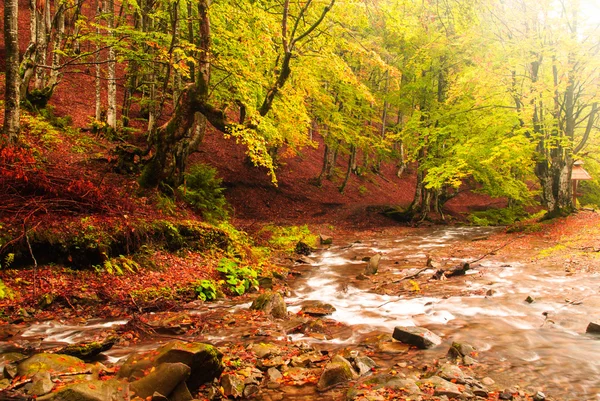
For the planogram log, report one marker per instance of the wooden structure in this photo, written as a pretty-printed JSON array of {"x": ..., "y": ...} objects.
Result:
[{"x": 578, "y": 174}]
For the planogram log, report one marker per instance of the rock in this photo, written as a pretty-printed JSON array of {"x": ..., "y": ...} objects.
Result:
[
  {"x": 364, "y": 364},
  {"x": 506, "y": 395},
  {"x": 344, "y": 361},
  {"x": 373, "y": 265},
  {"x": 265, "y": 282},
  {"x": 55, "y": 363},
  {"x": 303, "y": 248},
  {"x": 265, "y": 364},
  {"x": 42, "y": 384},
  {"x": 442, "y": 387},
  {"x": 308, "y": 359},
  {"x": 263, "y": 350},
  {"x": 93, "y": 390},
  {"x": 488, "y": 381},
  {"x": 458, "y": 270},
  {"x": 168, "y": 322},
  {"x": 529, "y": 299},
  {"x": 251, "y": 390},
  {"x": 452, "y": 373},
  {"x": 158, "y": 397},
  {"x": 303, "y": 260},
  {"x": 274, "y": 375},
  {"x": 490, "y": 292},
  {"x": 326, "y": 239},
  {"x": 460, "y": 350},
  {"x": 417, "y": 336},
  {"x": 8, "y": 364},
  {"x": 317, "y": 308},
  {"x": 539, "y": 396},
  {"x": 593, "y": 328},
  {"x": 233, "y": 386},
  {"x": 271, "y": 303},
  {"x": 4, "y": 383},
  {"x": 90, "y": 349},
  {"x": 394, "y": 382},
  {"x": 164, "y": 379},
  {"x": 335, "y": 373},
  {"x": 181, "y": 393},
  {"x": 361, "y": 277},
  {"x": 203, "y": 359}
]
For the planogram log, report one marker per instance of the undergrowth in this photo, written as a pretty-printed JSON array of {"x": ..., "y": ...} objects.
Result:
[{"x": 285, "y": 238}]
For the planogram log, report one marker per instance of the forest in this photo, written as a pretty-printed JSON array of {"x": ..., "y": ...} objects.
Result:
[{"x": 195, "y": 196}]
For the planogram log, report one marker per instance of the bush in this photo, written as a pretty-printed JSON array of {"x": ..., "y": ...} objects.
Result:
[{"x": 203, "y": 191}]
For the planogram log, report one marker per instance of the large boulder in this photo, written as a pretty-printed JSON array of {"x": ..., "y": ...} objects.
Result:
[
  {"x": 93, "y": 390},
  {"x": 271, "y": 303},
  {"x": 204, "y": 361},
  {"x": 420, "y": 337},
  {"x": 163, "y": 380}
]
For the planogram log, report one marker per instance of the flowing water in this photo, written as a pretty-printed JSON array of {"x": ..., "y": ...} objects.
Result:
[{"x": 540, "y": 345}]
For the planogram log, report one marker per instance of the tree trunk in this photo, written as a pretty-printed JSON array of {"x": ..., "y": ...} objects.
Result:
[
  {"x": 351, "y": 162},
  {"x": 111, "y": 109},
  {"x": 11, "y": 97}
]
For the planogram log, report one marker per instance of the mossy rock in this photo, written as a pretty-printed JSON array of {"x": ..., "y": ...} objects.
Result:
[
  {"x": 89, "y": 350},
  {"x": 271, "y": 303},
  {"x": 203, "y": 359},
  {"x": 164, "y": 380},
  {"x": 335, "y": 373},
  {"x": 92, "y": 390},
  {"x": 53, "y": 363}
]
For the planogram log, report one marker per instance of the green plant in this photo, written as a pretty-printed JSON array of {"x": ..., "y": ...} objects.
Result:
[
  {"x": 238, "y": 278},
  {"x": 498, "y": 217},
  {"x": 202, "y": 190},
  {"x": 118, "y": 266},
  {"x": 206, "y": 290},
  {"x": 286, "y": 238},
  {"x": 5, "y": 292},
  {"x": 166, "y": 205},
  {"x": 362, "y": 190}
]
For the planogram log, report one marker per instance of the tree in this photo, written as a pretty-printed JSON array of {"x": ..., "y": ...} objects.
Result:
[{"x": 12, "y": 97}]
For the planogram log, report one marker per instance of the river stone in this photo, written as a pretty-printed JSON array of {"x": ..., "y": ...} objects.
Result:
[
  {"x": 364, "y": 364},
  {"x": 373, "y": 265},
  {"x": 251, "y": 390},
  {"x": 263, "y": 350},
  {"x": 417, "y": 336},
  {"x": 54, "y": 363},
  {"x": 452, "y": 373},
  {"x": 326, "y": 239},
  {"x": 168, "y": 322},
  {"x": 342, "y": 360},
  {"x": 88, "y": 350},
  {"x": 42, "y": 384},
  {"x": 181, "y": 393},
  {"x": 232, "y": 385},
  {"x": 93, "y": 390},
  {"x": 317, "y": 308},
  {"x": 8, "y": 364},
  {"x": 271, "y": 303},
  {"x": 593, "y": 328},
  {"x": 442, "y": 387},
  {"x": 539, "y": 396},
  {"x": 334, "y": 374},
  {"x": 386, "y": 380},
  {"x": 203, "y": 359},
  {"x": 307, "y": 359},
  {"x": 302, "y": 248},
  {"x": 163, "y": 380}
]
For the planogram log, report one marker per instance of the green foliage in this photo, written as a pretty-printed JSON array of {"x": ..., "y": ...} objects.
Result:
[
  {"x": 206, "y": 290},
  {"x": 238, "y": 278},
  {"x": 498, "y": 217},
  {"x": 203, "y": 190},
  {"x": 590, "y": 190},
  {"x": 118, "y": 266},
  {"x": 286, "y": 238},
  {"x": 5, "y": 292},
  {"x": 166, "y": 205}
]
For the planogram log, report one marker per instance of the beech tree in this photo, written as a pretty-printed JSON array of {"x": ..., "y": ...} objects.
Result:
[{"x": 11, "y": 98}]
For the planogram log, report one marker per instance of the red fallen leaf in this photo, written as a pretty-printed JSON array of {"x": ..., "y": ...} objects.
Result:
[{"x": 92, "y": 386}]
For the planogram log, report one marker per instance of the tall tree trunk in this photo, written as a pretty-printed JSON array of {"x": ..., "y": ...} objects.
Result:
[
  {"x": 111, "y": 109},
  {"x": 351, "y": 162},
  {"x": 11, "y": 97}
]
